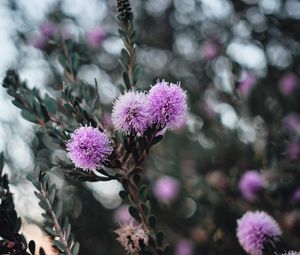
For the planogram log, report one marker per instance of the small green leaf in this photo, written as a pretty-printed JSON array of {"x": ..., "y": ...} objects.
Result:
[
  {"x": 152, "y": 221},
  {"x": 57, "y": 208},
  {"x": 160, "y": 237},
  {"x": 59, "y": 245},
  {"x": 32, "y": 247},
  {"x": 123, "y": 194},
  {"x": 126, "y": 80},
  {"x": 62, "y": 60},
  {"x": 50, "y": 104},
  {"x": 143, "y": 192},
  {"x": 134, "y": 213},
  {"x": 50, "y": 231},
  {"x": 29, "y": 116},
  {"x": 1, "y": 161},
  {"x": 75, "y": 248},
  {"x": 125, "y": 56},
  {"x": 156, "y": 139},
  {"x": 137, "y": 73},
  {"x": 75, "y": 61}
]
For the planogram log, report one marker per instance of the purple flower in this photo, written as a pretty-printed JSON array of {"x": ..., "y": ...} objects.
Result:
[
  {"x": 210, "y": 49},
  {"x": 184, "y": 247},
  {"x": 255, "y": 229},
  {"x": 122, "y": 216},
  {"x": 293, "y": 150},
  {"x": 247, "y": 84},
  {"x": 292, "y": 122},
  {"x": 166, "y": 189},
  {"x": 95, "y": 37},
  {"x": 48, "y": 29},
  {"x": 38, "y": 41},
  {"x": 291, "y": 253},
  {"x": 251, "y": 184},
  {"x": 88, "y": 148},
  {"x": 288, "y": 84},
  {"x": 296, "y": 195},
  {"x": 168, "y": 106},
  {"x": 131, "y": 113}
]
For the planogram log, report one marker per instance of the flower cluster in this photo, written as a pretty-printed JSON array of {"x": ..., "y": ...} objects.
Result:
[
  {"x": 132, "y": 238},
  {"x": 255, "y": 229},
  {"x": 89, "y": 148},
  {"x": 165, "y": 106}
]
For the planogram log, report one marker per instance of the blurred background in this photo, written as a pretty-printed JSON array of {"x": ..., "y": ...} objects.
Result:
[{"x": 239, "y": 62}]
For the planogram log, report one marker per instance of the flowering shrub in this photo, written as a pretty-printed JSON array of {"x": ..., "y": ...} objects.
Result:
[{"x": 151, "y": 154}]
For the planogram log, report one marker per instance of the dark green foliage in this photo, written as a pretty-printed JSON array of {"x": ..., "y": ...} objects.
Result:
[
  {"x": 55, "y": 224},
  {"x": 11, "y": 242}
]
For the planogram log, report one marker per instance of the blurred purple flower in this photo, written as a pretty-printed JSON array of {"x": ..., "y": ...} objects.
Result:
[
  {"x": 88, "y": 148},
  {"x": 166, "y": 189},
  {"x": 122, "y": 216},
  {"x": 210, "y": 49},
  {"x": 293, "y": 150},
  {"x": 251, "y": 184},
  {"x": 292, "y": 122},
  {"x": 247, "y": 84},
  {"x": 296, "y": 195},
  {"x": 255, "y": 229},
  {"x": 131, "y": 113},
  {"x": 95, "y": 37},
  {"x": 288, "y": 84},
  {"x": 167, "y": 104},
  {"x": 48, "y": 29},
  {"x": 184, "y": 247},
  {"x": 38, "y": 41}
]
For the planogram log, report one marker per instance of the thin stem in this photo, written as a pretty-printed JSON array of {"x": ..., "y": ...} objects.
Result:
[{"x": 57, "y": 227}]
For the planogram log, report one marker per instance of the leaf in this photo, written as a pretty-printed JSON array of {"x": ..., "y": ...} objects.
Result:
[
  {"x": 75, "y": 248},
  {"x": 125, "y": 56},
  {"x": 50, "y": 231},
  {"x": 18, "y": 224},
  {"x": 123, "y": 194},
  {"x": 126, "y": 80},
  {"x": 143, "y": 192},
  {"x": 160, "y": 237},
  {"x": 57, "y": 208},
  {"x": 75, "y": 61},
  {"x": 152, "y": 221},
  {"x": 32, "y": 247},
  {"x": 62, "y": 60},
  {"x": 50, "y": 104},
  {"x": 137, "y": 73},
  {"x": 134, "y": 213},
  {"x": 136, "y": 179},
  {"x": 29, "y": 116},
  {"x": 156, "y": 139},
  {"x": 58, "y": 245},
  {"x": 1, "y": 162}
]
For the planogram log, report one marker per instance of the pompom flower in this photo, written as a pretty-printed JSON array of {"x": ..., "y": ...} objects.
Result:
[
  {"x": 88, "y": 148},
  {"x": 131, "y": 113},
  {"x": 166, "y": 189},
  {"x": 132, "y": 238},
  {"x": 255, "y": 229},
  {"x": 291, "y": 253},
  {"x": 167, "y": 104},
  {"x": 251, "y": 184}
]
